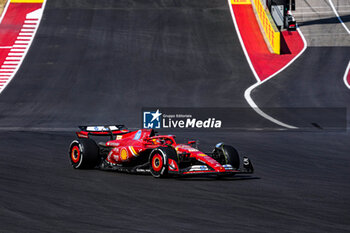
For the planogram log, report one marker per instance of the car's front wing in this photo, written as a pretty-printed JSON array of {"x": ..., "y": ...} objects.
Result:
[{"x": 228, "y": 170}]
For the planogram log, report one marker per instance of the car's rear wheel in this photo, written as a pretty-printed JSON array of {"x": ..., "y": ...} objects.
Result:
[
  {"x": 158, "y": 160},
  {"x": 84, "y": 154}
]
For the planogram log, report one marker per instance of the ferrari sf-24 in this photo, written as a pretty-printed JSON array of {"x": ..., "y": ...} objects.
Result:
[{"x": 143, "y": 151}]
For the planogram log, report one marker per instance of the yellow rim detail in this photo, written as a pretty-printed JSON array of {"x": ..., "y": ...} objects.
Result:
[
  {"x": 27, "y": 1},
  {"x": 240, "y": 2}
]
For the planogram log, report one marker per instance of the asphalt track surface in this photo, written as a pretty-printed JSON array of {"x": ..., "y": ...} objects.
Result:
[
  {"x": 315, "y": 80},
  {"x": 98, "y": 61}
]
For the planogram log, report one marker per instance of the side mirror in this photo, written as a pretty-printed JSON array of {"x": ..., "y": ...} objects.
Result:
[{"x": 193, "y": 143}]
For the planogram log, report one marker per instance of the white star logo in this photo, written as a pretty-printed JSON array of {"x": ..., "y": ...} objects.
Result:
[{"x": 156, "y": 115}]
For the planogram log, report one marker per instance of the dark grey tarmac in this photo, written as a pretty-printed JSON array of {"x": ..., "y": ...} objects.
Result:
[{"x": 101, "y": 61}]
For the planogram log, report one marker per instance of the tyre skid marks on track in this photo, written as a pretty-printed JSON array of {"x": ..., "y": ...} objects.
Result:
[
  {"x": 25, "y": 35},
  {"x": 247, "y": 93}
]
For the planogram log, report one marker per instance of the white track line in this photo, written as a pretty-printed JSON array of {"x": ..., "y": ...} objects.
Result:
[
  {"x": 18, "y": 46},
  {"x": 348, "y": 31},
  {"x": 23, "y": 38},
  {"x": 242, "y": 43},
  {"x": 25, "y": 34},
  {"x": 33, "y": 24},
  {"x": 346, "y": 76},
  {"x": 23, "y": 41},
  {"x": 247, "y": 93},
  {"x": 8, "y": 66},
  {"x": 5, "y": 47},
  {"x": 27, "y": 30},
  {"x": 336, "y": 13},
  {"x": 17, "y": 50},
  {"x": 4, "y": 11},
  {"x": 30, "y": 21},
  {"x": 15, "y": 55}
]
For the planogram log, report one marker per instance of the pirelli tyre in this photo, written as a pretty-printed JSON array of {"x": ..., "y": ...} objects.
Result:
[
  {"x": 231, "y": 156},
  {"x": 159, "y": 160},
  {"x": 226, "y": 154},
  {"x": 84, "y": 154}
]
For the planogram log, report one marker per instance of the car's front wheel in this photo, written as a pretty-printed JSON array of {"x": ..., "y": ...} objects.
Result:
[
  {"x": 226, "y": 154},
  {"x": 231, "y": 156}
]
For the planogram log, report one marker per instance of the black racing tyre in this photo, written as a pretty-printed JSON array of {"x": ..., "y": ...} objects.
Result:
[
  {"x": 84, "y": 154},
  {"x": 158, "y": 161},
  {"x": 231, "y": 156}
]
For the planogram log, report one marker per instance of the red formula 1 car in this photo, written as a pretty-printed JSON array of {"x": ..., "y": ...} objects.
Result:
[{"x": 142, "y": 151}]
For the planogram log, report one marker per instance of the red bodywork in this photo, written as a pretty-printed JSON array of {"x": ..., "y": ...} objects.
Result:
[{"x": 128, "y": 145}]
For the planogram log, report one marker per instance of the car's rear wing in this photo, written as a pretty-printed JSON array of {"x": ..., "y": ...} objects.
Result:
[{"x": 102, "y": 130}]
